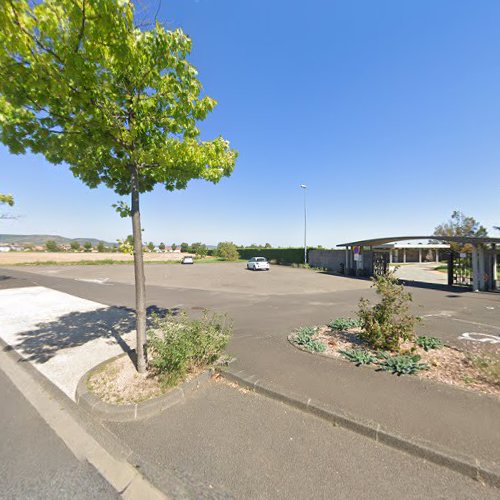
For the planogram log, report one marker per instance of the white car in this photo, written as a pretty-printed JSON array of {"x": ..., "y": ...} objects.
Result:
[
  {"x": 187, "y": 260},
  {"x": 258, "y": 263}
]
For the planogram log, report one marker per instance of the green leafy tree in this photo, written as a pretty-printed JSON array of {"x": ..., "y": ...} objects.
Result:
[
  {"x": 101, "y": 247},
  {"x": 126, "y": 246},
  {"x": 6, "y": 199},
  {"x": 52, "y": 246},
  {"x": 75, "y": 246},
  {"x": 162, "y": 246},
  {"x": 460, "y": 224},
  {"x": 199, "y": 249},
  {"x": 174, "y": 247},
  {"x": 81, "y": 83},
  {"x": 227, "y": 250},
  {"x": 151, "y": 246},
  {"x": 268, "y": 245},
  {"x": 184, "y": 247},
  {"x": 87, "y": 246}
]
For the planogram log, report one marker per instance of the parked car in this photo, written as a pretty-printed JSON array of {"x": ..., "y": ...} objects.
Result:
[
  {"x": 187, "y": 260},
  {"x": 258, "y": 263}
]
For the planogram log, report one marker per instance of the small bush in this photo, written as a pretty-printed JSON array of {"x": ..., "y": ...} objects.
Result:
[
  {"x": 227, "y": 250},
  {"x": 428, "y": 343},
  {"x": 343, "y": 324},
  {"x": 389, "y": 323},
  {"x": 178, "y": 344},
  {"x": 403, "y": 364},
  {"x": 303, "y": 337},
  {"x": 359, "y": 356}
]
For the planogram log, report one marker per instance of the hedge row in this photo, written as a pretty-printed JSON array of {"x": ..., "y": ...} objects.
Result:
[{"x": 279, "y": 255}]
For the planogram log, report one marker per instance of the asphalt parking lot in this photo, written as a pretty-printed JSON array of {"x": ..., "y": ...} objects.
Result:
[
  {"x": 267, "y": 306},
  {"x": 273, "y": 303}
]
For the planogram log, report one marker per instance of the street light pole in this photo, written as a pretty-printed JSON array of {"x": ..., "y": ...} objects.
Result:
[{"x": 304, "y": 187}]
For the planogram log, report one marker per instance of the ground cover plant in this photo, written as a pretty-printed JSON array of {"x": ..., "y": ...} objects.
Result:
[
  {"x": 428, "y": 343},
  {"x": 303, "y": 337},
  {"x": 401, "y": 364},
  {"x": 359, "y": 356},
  {"x": 342, "y": 324}
]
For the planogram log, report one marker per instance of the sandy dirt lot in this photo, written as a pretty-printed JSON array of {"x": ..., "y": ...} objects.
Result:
[{"x": 10, "y": 258}]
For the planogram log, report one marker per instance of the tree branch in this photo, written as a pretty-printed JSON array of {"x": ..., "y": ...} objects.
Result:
[{"x": 82, "y": 28}]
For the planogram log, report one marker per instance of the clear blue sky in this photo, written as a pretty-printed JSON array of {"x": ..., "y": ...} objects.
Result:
[{"x": 389, "y": 111}]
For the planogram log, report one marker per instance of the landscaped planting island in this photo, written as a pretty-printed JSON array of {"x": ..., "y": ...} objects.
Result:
[{"x": 382, "y": 338}]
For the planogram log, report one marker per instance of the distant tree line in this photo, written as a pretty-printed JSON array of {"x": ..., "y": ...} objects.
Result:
[{"x": 75, "y": 246}]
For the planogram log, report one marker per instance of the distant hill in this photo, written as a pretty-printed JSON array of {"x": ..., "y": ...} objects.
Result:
[{"x": 41, "y": 239}]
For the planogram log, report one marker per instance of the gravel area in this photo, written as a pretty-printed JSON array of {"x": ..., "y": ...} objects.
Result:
[
  {"x": 446, "y": 365},
  {"x": 119, "y": 383}
]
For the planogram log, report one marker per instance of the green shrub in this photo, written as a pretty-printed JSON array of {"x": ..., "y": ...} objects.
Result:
[
  {"x": 199, "y": 249},
  {"x": 388, "y": 323},
  {"x": 404, "y": 364},
  {"x": 359, "y": 356},
  {"x": 52, "y": 246},
  {"x": 303, "y": 338},
  {"x": 178, "y": 344},
  {"x": 343, "y": 324},
  {"x": 227, "y": 250},
  {"x": 429, "y": 343}
]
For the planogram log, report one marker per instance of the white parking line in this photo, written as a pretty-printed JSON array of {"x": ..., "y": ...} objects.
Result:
[
  {"x": 475, "y": 323},
  {"x": 480, "y": 337},
  {"x": 102, "y": 281}
]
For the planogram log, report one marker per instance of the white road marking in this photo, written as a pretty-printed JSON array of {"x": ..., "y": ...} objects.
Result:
[
  {"x": 475, "y": 323},
  {"x": 448, "y": 316},
  {"x": 480, "y": 337},
  {"x": 102, "y": 281},
  {"x": 442, "y": 314}
]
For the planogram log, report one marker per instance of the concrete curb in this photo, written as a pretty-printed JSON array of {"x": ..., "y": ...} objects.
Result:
[
  {"x": 131, "y": 412},
  {"x": 468, "y": 466},
  {"x": 85, "y": 437}
]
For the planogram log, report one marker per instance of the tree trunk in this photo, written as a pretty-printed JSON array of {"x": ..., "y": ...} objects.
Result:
[{"x": 140, "y": 280}]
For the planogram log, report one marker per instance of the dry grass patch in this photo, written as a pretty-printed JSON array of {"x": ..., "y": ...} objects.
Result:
[
  {"x": 119, "y": 383},
  {"x": 72, "y": 258}
]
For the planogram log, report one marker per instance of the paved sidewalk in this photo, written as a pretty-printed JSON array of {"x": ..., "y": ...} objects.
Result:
[
  {"x": 436, "y": 415},
  {"x": 61, "y": 335},
  {"x": 228, "y": 443}
]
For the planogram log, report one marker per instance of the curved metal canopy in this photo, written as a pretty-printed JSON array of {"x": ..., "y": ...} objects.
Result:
[{"x": 391, "y": 239}]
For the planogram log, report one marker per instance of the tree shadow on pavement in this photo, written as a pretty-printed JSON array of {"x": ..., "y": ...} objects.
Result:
[{"x": 77, "y": 328}]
